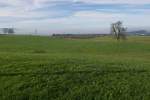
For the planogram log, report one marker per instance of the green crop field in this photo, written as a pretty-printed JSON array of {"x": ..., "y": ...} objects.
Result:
[{"x": 44, "y": 68}]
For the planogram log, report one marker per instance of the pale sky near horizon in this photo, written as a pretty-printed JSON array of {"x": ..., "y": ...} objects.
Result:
[{"x": 73, "y": 16}]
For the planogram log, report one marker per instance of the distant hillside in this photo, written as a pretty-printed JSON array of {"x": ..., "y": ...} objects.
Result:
[
  {"x": 139, "y": 32},
  {"x": 79, "y": 35}
]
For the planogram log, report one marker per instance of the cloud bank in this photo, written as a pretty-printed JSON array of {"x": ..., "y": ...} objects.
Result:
[{"x": 68, "y": 16}]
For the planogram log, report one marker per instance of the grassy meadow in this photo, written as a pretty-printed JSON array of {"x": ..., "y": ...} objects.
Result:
[{"x": 44, "y": 68}]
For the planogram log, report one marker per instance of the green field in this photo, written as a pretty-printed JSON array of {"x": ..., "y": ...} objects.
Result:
[{"x": 44, "y": 68}]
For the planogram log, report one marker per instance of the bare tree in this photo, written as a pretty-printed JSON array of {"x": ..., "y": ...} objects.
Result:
[{"x": 118, "y": 31}]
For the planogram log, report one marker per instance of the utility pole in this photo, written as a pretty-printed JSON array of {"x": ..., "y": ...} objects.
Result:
[{"x": 36, "y": 32}]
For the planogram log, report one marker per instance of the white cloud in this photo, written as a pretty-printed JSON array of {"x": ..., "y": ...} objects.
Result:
[
  {"x": 78, "y": 21},
  {"x": 115, "y": 1},
  {"x": 86, "y": 22},
  {"x": 98, "y": 1}
]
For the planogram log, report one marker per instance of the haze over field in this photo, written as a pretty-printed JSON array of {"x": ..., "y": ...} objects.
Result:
[{"x": 73, "y": 16}]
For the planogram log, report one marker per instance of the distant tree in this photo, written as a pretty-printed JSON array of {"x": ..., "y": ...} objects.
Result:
[
  {"x": 118, "y": 31},
  {"x": 8, "y": 30},
  {"x": 5, "y": 30},
  {"x": 11, "y": 31}
]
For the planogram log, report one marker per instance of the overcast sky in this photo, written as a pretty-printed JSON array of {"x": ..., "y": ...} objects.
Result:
[{"x": 73, "y": 16}]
